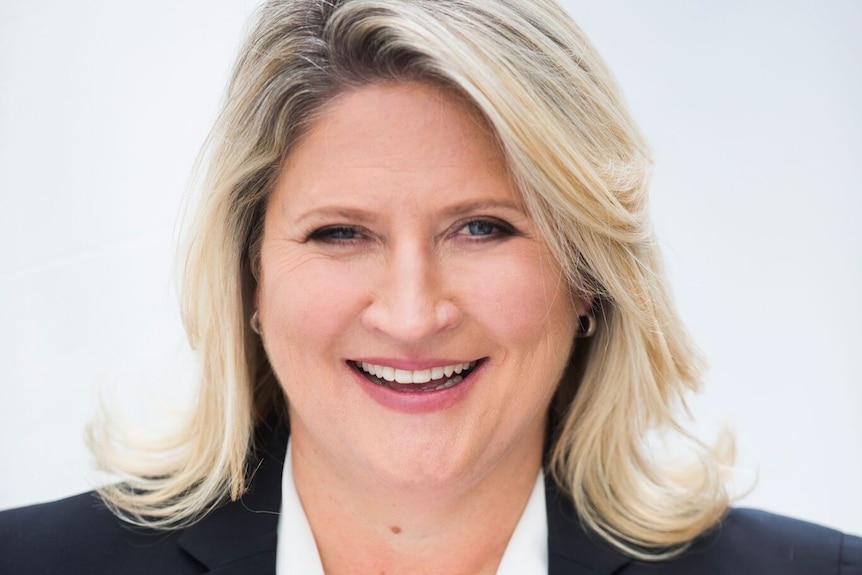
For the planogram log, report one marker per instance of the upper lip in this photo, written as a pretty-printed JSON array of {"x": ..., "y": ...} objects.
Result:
[{"x": 411, "y": 364}]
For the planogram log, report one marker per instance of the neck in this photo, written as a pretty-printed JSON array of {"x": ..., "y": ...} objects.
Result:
[{"x": 362, "y": 525}]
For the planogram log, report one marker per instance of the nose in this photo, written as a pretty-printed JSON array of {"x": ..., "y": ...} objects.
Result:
[{"x": 410, "y": 301}]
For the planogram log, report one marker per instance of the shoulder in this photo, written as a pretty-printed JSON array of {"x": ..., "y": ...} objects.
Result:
[
  {"x": 745, "y": 541},
  {"x": 80, "y": 535},
  {"x": 753, "y": 541}
]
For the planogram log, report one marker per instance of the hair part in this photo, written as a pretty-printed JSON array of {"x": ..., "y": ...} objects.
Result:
[{"x": 583, "y": 169}]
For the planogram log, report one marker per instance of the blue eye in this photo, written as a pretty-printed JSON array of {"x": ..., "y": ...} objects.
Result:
[
  {"x": 486, "y": 229},
  {"x": 341, "y": 233},
  {"x": 481, "y": 228},
  {"x": 334, "y": 234}
]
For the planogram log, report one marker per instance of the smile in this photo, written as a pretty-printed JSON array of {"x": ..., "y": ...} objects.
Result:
[{"x": 419, "y": 380}]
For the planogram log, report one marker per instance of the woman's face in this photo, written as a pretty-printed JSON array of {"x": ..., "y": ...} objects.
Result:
[{"x": 413, "y": 315}]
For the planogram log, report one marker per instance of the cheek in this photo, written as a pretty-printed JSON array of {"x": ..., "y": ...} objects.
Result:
[
  {"x": 527, "y": 303},
  {"x": 298, "y": 293},
  {"x": 305, "y": 306}
]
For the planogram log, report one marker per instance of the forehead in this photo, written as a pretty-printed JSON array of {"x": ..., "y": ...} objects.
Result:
[
  {"x": 368, "y": 114},
  {"x": 399, "y": 135}
]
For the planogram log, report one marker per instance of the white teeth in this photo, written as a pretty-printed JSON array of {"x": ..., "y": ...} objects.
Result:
[{"x": 405, "y": 376}]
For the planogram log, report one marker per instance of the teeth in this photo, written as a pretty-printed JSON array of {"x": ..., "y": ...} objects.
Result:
[
  {"x": 422, "y": 376},
  {"x": 450, "y": 382},
  {"x": 405, "y": 376}
]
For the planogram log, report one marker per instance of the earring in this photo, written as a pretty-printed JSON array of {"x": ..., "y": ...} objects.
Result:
[
  {"x": 586, "y": 325},
  {"x": 254, "y": 322}
]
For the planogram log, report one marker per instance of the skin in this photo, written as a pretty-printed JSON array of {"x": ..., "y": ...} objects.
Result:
[{"x": 394, "y": 232}]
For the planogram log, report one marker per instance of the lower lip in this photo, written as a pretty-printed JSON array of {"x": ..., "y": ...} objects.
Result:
[{"x": 418, "y": 401}]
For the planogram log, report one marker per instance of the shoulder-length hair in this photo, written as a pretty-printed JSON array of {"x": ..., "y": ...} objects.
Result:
[{"x": 582, "y": 167}]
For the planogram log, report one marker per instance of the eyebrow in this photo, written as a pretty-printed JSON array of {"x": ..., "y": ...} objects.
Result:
[
  {"x": 363, "y": 215},
  {"x": 483, "y": 204},
  {"x": 340, "y": 212}
]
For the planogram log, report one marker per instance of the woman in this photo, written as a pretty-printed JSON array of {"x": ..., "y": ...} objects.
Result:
[{"x": 432, "y": 324}]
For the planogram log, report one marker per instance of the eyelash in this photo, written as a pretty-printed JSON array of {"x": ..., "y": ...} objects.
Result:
[{"x": 329, "y": 234}]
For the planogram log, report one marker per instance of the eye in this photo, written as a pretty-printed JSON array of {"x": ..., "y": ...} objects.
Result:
[
  {"x": 481, "y": 228},
  {"x": 335, "y": 234},
  {"x": 485, "y": 228}
]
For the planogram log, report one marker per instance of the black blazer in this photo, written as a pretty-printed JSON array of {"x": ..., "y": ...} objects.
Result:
[{"x": 79, "y": 535}]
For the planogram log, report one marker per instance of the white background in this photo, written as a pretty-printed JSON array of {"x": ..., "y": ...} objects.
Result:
[{"x": 754, "y": 110}]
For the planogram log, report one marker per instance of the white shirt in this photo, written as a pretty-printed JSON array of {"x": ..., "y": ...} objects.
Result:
[{"x": 296, "y": 553}]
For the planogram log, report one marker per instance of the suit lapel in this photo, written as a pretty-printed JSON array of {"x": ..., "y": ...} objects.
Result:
[
  {"x": 240, "y": 536},
  {"x": 571, "y": 550}
]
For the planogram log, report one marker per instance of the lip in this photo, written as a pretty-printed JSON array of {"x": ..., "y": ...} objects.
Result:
[
  {"x": 416, "y": 402},
  {"x": 411, "y": 364}
]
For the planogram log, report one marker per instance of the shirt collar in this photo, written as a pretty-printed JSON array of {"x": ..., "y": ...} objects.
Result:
[
  {"x": 527, "y": 550},
  {"x": 296, "y": 551}
]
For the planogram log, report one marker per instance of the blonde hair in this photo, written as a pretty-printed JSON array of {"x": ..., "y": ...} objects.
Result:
[{"x": 583, "y": 169}]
